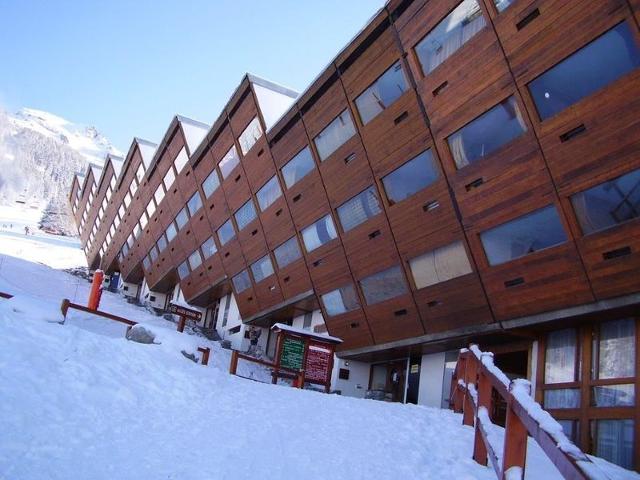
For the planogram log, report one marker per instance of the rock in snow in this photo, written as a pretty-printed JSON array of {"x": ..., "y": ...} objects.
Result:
[{"x": 138, "y": 333}]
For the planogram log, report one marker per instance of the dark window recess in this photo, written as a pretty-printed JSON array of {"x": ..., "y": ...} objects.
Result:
[
  {"x": 343, "y": 374},
  {"x": 400, "y": 313},
  {"x": 234, "y": 330},
  {"x": 514, "y": 282},
  {"x": 617, "y": 253},
  {"x": 528, "y": 19},
  {"x": 574, "y": 132},
  {"x": 594, "y": 66},
  {"x": 152, "y": 298}
]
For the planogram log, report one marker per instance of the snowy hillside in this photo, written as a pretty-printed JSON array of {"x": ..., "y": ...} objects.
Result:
[
  {"x": 78, "y": 401},
  {"x": 39, "y": 153}
]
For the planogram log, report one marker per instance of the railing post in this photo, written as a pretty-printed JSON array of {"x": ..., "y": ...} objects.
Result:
[
  {"x": 484, "y": 400},
  {"x": 470, "y": 377},
  {"x": 515, "y": 439},
  {"x": 300, "y": 380},
  {"x": 233, "y": 366},
  {"x": 181, "y": 323},
  {"x": 205, "y": 355},
  {"x": 64, "y": 308},
  {"x": 456, "y": 400}
]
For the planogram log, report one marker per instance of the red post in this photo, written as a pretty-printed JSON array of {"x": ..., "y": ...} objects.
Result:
[
  {"x": 181, "y": 323},
  {"x": 64, "y": 308},
  {"x": 96, "y": 290},
  {"x": 233, "y": 366},
  {"x": 470, "y": 376},
  {"x": 515, "y": 440},
  {"x": 205, "y": 354},
  {"x": 484, "y": 400}
]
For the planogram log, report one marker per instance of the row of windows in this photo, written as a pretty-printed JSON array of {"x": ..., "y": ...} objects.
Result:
[{"x": 199, "y": 255}]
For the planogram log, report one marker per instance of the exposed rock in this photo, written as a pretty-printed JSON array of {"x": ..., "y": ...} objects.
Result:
[
  {"x": 190, "y": 356},
  {"x": 140, "y": 334}
]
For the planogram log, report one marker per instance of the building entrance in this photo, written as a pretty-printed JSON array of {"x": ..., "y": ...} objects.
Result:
[{"x": 389, "y": 380}]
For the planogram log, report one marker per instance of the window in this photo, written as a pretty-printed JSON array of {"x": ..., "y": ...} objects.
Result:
[
  {"x": 502, "y": 4},
  {"x": 195, "y": 203},
  {"x": 140, "y": 173},
  {"x": 153, "y": 253},
  {"x": 408, "y": 179},
  {"x": 127, "y": 200},
  {"x": 168, "y": 179},
  {"x": 241, "y": 281},
  {"x": 151, "y": 208},
  {"x": 182, "y": 218},
  {"x": 245, "y": 215},
  {"x": 181, "y": 160},
  {"x": 536, "y": 231},
  {"x": 334, "y": 135},
  {"x": 319, "y": 233},
  {"x": 195, "y": 259},
  {"x": 359, "y": 209},
  {"x": 211, "y": 183},
  {"x": 226, "y": 232},
  {"x": 487, "y": 133},
  {"x": 146, "y": 263},
  {"x": 262, "y": 269},
  {"x": 383, "y": 285},
  {"x": 183, "y": 270},
  {"x": 159, "y": 194},
  {"x": 561, "y": 366},
  {"x": 298, "y": 167},
  {"x": 287, "y": 253},
  {"x": 440, "y": 265},
  {"x": 269, "y": 193},
  {"x": 171, "y": 232},
  {"x": 143, "y": 220},
  {"x": 449, "y": 35},
  {"x": 208, "y": 248},
  {"x": 616, "y": 350},
  {"x": 591, "y": 68},
  {"x": 608, "y": 204},
  {"x": 162, "y": 243},
  {"x": 382, "y": 93},
  {"x": 229, "y": 162},
  {"x": 341, "y": 300},
  {"x": 250, "y": 135},
  {"x": 613, "y": 441}
]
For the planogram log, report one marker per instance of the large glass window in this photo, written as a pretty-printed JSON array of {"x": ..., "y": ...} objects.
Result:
[
  {"x": 487, "y": 133},
  {"x": 171, "y": 232},
  {"x": 181, "y": 160},
  {"x": 319, "y": 233},
  {"x": 241, "y": 281},
  {"x": 334, "y": 135},
  {"x": 250, "y": 135},
  {"x": 382, "y": 93},
  {"x": 269, "y": 193},
  {"x": 608, "y": 204},
  {"x": 616, "y": 353},
  {"x": 561, "y": 357},
  {"x": 298, "y": 167},
  {"x": 262, "y": 269},
  {"x": 440, "y": 265},
  {"x": 613, "y": 441},
  {"x": 359, "y": 209},
  {"x": 341, "y": 300},
  {"x": 211, "y": 183},
  {"x": 183, "y": 270},
  {"x": 195, "y": 203},
  {"x": 226, "y": 232},
  {"x": 229, "y": 162},
  {"x": 591, "y": 68},
  {"x": 449, "y": 35},
  {"x": 159, "y": 194},
  {"x": 195, "y": 259},
  {"x": 208, "y": 247},
  {"x": 408, "y": 179},
  {"x": 182, "y": 218},
  {"x": 245, "y": 215},
  {"x": 161, "y": 243},
  {"x": 536, "y": 231},
  {"x": 383, "y": 285},
  {"x": 287, "y": 253},
  {"x": 151, "y": 208}
]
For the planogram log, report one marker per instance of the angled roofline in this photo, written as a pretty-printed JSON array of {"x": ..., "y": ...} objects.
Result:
[{"x": 127, "y": 159}]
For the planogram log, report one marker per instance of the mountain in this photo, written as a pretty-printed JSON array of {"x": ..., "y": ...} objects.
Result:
[{"x": 39, "y": 154}]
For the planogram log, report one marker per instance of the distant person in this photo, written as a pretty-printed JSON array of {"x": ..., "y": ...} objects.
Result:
[
  {"x": 254, "y": 336},
  {"x": 26, "y": 230}
]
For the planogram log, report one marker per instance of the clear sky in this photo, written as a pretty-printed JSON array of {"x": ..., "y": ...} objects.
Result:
[{"x": 128, "y": 66}]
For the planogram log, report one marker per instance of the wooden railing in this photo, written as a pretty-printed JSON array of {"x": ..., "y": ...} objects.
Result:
[
  {"x": 276, "y": 372},
  {"x": 474, "y": 378}
]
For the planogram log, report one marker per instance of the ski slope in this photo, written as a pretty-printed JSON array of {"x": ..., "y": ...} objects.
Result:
[{"x": 78, "y": 401}]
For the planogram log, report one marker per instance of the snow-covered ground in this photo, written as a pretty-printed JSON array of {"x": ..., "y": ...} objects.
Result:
[{"x": 79, "y": 401}]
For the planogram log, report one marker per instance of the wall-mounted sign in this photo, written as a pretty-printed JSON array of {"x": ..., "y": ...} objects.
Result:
[{"x": 415, "y": 368}]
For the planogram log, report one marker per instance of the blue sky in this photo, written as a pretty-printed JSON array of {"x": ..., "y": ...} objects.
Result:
[{"x": 128, "y": 66}]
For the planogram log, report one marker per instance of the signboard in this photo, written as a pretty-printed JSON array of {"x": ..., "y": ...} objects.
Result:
[
  {"x": 185, "y": 312},
  {"x": 292, "y": 353},
  {"x": 317, "y": 366}
]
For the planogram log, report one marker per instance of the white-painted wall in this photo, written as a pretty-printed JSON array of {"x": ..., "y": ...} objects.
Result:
[
  {"x": 131, "y": 290},
  {"x": 358, "y": 381},
  {"x": 431, "y": 375}
]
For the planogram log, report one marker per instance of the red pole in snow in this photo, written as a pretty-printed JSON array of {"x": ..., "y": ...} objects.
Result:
[
  {"x": 96, "y": 290},
  {"x": 181, "y": 323}
]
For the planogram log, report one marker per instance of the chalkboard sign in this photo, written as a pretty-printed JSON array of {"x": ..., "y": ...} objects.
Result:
[{"x": 292, "y": 353}]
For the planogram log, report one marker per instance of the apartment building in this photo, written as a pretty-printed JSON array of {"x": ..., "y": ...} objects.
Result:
[{"x": 461, "y": 171}]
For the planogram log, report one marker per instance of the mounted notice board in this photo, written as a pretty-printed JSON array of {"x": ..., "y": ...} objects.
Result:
[{"x": 306, "y": 352}]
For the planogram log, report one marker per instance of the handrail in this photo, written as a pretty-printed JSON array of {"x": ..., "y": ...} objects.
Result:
[
  {"x": 474, "y": 378},
  {"x": 99, "y": 313}
]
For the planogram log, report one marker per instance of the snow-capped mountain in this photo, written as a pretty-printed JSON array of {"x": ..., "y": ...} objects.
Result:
[{"x": 39, "y": 153}]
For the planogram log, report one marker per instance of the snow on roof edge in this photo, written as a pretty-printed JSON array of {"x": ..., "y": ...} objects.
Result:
[{"x": 287, "y": 328}]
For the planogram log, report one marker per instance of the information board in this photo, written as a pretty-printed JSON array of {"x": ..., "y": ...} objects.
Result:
[
  {"x": 317, "y": 366},
  {"x": 292, "y": 353},
  {"x": 185, "y": 312}
]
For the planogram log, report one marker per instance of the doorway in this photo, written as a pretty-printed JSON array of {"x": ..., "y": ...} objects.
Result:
[{"x": 389, "y": 378}]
